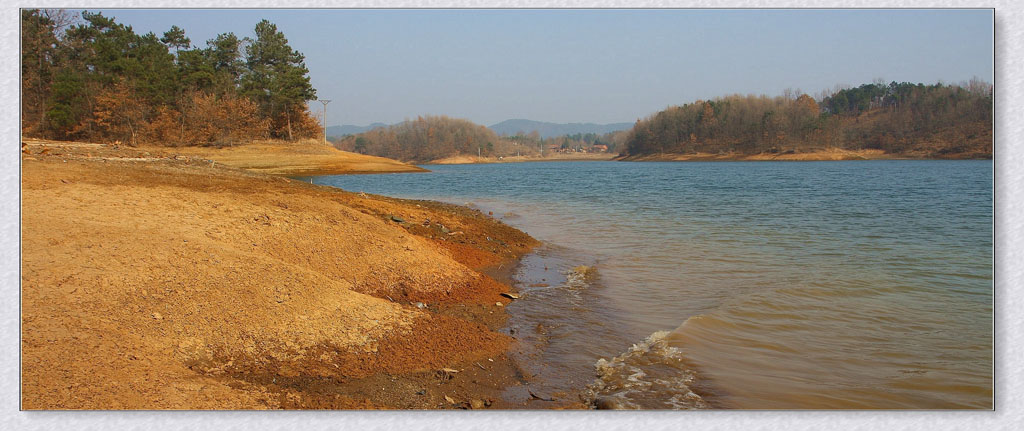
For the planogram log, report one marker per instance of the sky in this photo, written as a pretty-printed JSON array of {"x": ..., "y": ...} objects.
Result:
[{"x": 598, "y": 66}]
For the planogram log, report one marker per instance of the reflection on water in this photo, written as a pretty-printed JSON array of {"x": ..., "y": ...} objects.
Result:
[{"x": 745, "y": 285}]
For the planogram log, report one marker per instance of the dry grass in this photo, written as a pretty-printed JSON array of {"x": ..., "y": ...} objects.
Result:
[{"x": 295, "y": 159}]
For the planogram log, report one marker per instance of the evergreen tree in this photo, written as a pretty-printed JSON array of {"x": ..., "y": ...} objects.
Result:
[
  {"x": 276, "y": 76},
  {"x": 38, "y": 49}
]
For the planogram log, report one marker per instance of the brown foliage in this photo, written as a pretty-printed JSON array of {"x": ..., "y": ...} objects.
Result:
[
  {"x": 932, "y": 121},
  {"x": 117, "y": 114},
  {"x": 425, "y": 139},
  {"x": 304, "y": 125},
  {"x": 208, "y": 120}
]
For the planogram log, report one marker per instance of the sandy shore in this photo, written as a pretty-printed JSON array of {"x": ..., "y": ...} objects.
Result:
[{"x": 153, "y": 280}]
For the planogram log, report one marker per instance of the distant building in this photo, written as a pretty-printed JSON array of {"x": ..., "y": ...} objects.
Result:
[{"x": 600, "y": 148}]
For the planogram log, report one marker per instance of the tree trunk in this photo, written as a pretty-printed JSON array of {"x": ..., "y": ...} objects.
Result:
[
  {"x": 288, "y": 116},
  {"x": 131, "y": 130}
]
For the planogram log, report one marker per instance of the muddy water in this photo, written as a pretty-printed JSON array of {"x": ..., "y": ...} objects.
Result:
[{"x": 743, "y": 285}]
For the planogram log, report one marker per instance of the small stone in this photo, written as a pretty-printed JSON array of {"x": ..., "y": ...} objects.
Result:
[
  {"x": 510, "y": 295},
  {"x": 607, "y": 403},
  {"x": 476, "y": 404},
  {"x": 420, "y": 305},
  {"x": 498, "y": 304},
  {"x": 397, "y": 219},
  {"x": 157, "y": 316},
  {"x": 449, "y": 399}
]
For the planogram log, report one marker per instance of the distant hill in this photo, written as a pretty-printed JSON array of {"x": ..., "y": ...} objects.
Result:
[
  {"x": 548, "y": 130},
  {"x": 351, "y": 130},
  {"x": 904, "y": 119}
]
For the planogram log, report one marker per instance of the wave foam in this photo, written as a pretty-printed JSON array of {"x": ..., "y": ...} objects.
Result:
[{"x": 649, "y": 375}]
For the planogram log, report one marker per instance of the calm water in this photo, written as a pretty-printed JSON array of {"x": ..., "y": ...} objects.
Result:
[{"x": 743, "y": 285}]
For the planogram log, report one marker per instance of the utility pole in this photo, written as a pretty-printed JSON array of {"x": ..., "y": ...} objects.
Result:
[{"x": 325, "y": 102}]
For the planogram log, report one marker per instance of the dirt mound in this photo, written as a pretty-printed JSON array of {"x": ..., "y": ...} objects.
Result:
[{"x": 170, "y": 283}]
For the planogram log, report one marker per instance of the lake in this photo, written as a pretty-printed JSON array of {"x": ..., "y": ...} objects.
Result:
[{"x": 751, "y": 285}]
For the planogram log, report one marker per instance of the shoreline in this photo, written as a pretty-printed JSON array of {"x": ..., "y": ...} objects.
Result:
[
  {"x": 470, "y": 160},
  {"x": 827, "y": 154},
  {"x": 169, "y": 282}
]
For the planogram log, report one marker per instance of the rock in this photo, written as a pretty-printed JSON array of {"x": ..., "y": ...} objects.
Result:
[
  {"x": 445, "y": 374},
  {"x": 476, "y": 404},
  {"x": 397, "y": 219},
  {"x": 539, "y": 397},
  {"x": 510, "y": 295},
  {"x": 157, "y": 316},
  {"x": 420, "y": 305},
  {"x": 449, "y": 399},
  {"x": 498, "y": 304},
  {"x": 607, "y": 403}
]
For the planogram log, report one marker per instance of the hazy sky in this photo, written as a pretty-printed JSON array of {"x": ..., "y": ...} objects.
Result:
[{"x": 600, "y": 66}]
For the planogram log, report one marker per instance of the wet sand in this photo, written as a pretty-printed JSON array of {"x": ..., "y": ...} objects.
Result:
[{"x": 155, "y": 280}]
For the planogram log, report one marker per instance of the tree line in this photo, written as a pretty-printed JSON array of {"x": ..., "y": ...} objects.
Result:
[
  {"x": 425, "y": 139},
  {"x": 902, "y": 118},
  {"x": 429, "y": 138},
  {"x": 574, "y": 142},
  {"x": 91, "y": 78}
]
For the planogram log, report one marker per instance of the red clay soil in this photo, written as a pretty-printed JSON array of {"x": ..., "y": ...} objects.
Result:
[{"x": 170, "y": 282}]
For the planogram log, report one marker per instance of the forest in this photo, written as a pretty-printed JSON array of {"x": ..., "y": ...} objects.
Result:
[
  {"x": 899, "y": 118},
  {"x": 90, "y": 78},
  {"x": 429, "y": 138},
  {"x": 425, "y": 139},
  {"x": 914, "y": 120}
]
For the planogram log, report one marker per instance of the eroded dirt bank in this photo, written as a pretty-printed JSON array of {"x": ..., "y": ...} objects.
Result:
[{"x": 154, "y": 281}]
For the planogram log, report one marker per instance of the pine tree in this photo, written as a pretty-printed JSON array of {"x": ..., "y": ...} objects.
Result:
[
  {"x": 276, "y": 76},
  {"x": 38, "y": 49}
]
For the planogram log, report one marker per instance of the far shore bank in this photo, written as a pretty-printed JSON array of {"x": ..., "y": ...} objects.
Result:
[
  {"x": 558, "y": 157},
  {"x": 154, "y": 278},
  {"x": 826, "y": 154}
]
